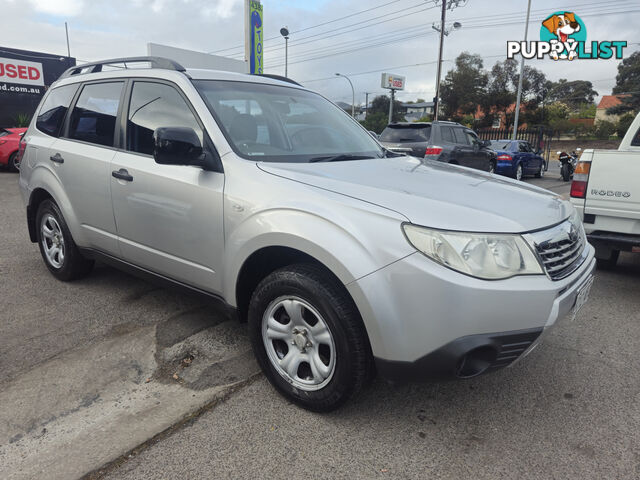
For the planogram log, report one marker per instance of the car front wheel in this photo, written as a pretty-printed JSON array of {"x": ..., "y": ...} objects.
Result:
[{"x": 308, "y": 337}]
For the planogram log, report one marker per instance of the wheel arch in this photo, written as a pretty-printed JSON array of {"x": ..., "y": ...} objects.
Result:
[{"x": 42, "y": 182}]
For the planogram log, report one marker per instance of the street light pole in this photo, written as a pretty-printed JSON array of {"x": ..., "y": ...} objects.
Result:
[
  {"x": 436, "y": 101},
  {"x": 519, "y": 96},
  {"x": 353, "y": 94},
  {"x": 284, "y": 31},
  {"x": 366, "y": 104}
]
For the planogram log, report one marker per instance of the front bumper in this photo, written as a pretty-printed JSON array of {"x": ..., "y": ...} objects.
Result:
[{"x": 425, "y": 320}]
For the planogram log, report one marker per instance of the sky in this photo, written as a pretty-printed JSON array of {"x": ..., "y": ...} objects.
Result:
[{"x": 359, "y": 38}]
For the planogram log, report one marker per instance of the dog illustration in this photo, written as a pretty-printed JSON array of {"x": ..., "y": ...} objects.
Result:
[{"x": 562, "y": 25}]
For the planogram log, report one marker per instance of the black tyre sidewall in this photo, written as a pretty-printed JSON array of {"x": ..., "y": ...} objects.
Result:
[
  {"x": 346, "y": 378},
  {"x": 11, "y": 162},
  {"x": 74, "y": 265},
  {"x": 564, "y": 171}
]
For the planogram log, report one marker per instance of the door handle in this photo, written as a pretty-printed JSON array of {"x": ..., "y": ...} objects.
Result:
[
  {"x": 56, "y": 158},
  {"x": 122, "y": 174}
]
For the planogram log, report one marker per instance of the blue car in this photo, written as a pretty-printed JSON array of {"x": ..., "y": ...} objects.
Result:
[{"x": 516, "y": 158}]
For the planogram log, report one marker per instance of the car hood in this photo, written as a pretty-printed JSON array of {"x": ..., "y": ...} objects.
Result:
[{"x": 434, "y": 194}]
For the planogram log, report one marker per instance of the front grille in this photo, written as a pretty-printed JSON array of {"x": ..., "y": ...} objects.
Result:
[{"x": 561, "y": 248}]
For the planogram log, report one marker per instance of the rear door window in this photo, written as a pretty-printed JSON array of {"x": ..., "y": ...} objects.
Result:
[
  {"x": 461, "y": 137},
  {"x": 93, "y": 118},
  {"x": 447, "y": 134},
  {"x": 405, "y": 134},
  {"x": 54, "y": 109}
]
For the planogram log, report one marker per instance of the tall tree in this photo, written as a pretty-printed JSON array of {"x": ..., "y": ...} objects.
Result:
[
  {"x": 464, "y": 86},
  {"x": 574, "y": 93},
  {"x": 628, "y": 82}
]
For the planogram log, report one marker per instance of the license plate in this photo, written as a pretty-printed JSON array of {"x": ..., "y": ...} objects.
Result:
[{"x": 582, "y": 297}]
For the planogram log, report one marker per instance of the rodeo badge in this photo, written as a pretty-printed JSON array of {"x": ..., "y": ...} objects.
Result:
[{"x": 563, "y": 36}]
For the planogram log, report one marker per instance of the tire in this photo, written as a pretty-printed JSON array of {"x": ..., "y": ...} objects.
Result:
[
  {"x": 67, "y": 263},
  {"x": 519, "y": 172},
  {"x": 12, "y": 166},
  {"x": 564, "y": 171},
  {"x": 540, "y": 173},
  {"x": 326, "y": 311},
  {"x": 607, "y": 261}
]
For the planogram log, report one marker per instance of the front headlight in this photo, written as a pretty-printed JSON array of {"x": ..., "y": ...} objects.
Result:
[{"x": 490, "y": 256}]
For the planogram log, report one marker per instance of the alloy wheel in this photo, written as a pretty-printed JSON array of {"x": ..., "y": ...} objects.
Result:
[{"x": 52, "y": 240}]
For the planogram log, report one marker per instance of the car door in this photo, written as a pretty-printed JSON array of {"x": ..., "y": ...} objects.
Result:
[
  {"x": 464, "y": 150},
  {"x": 535, "y": 160},
  {"x": 529, "y": 164},
  {"x": 479, "y": 155},
  {"x": 81, "y": 158},
  {"x": 169, "y": 218}
]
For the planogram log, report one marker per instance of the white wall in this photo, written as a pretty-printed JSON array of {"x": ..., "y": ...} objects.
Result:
[{"x": 193, "y": 59}]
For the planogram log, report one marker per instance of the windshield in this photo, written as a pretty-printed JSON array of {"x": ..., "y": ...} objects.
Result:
[
  {"x": 406, "y": 133},
  {"x": 275, "y": 123}
]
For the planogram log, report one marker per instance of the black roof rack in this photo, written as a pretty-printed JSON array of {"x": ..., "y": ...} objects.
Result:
[
  {"x": 93, "y": 67},
  {"x": 279, "y": 77}
]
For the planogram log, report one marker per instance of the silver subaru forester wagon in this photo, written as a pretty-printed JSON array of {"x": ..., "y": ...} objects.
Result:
[{"x": 345, "y": 259}]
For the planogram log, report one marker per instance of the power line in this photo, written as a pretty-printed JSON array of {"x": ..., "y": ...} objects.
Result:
[
  {"x": 404, "y": 13},
  {"x": 472, "y": 27},
  {"x": 317, "y": 25}
]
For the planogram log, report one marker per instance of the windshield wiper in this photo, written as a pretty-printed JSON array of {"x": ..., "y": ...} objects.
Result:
[{"x": 338, "y": 158}]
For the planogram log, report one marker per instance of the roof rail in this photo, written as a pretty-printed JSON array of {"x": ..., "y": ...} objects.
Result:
[
  {"x": 156, "y": 62},
  {"x": 278, "y": 77}
]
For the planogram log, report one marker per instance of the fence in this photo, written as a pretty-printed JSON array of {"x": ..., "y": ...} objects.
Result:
[{"x": 538, "y": 137}]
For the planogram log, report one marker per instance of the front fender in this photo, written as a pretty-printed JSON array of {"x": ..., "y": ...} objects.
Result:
[{"x": 350, "y": 253}]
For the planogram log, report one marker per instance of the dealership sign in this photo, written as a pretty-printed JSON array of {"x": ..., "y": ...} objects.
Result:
[
  {"x": 392, "y": 81},
  {"x": 253, "y": 36},
  {"x": 21, "y": 71}
]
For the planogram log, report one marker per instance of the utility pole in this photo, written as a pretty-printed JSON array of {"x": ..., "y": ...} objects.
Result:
[
  {"x": 366, "y": 104},
  {"x": 393, "y": 96},
  {"x": 519, "y": 96},
  {"x": 436, "y": 100},
  {"x": 66, "y": 29}
]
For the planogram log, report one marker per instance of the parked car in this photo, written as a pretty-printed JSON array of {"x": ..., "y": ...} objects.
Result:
[
  {"x": 605, "y": 191},
  {"x": 266, "y": 196},
  {"x": 9, "y": 142},
  {"x": 516, "y": 159},
  {"x": 447, "y": 142}
]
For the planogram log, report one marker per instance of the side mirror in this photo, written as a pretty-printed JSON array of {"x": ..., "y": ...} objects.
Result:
[
  {"x": 485, "y": 143},
  {"x": 177, "y": 146},
  {"x": 538, "y": 152}
]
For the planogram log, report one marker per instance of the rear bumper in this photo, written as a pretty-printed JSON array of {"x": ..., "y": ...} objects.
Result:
[
  {"x": 615, "y": 241},
  {"x": 506, "y": 168}
]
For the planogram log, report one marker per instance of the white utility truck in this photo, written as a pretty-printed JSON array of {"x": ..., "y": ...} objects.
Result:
[{"x": 606, "y": 192}]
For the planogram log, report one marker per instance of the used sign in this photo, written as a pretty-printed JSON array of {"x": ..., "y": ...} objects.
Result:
[
  {"x": 21, "y": 71},
  {"x": 391, "y": 81}
]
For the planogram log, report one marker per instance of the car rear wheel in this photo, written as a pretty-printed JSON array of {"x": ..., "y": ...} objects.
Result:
[
  {"x": 308, "y": 337},
  {"x": 607, "y": 260},
  {"x": 13, "y": 164},
  {"x": 518, "y": 175},
  {"x": 59, "y": 251}
]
